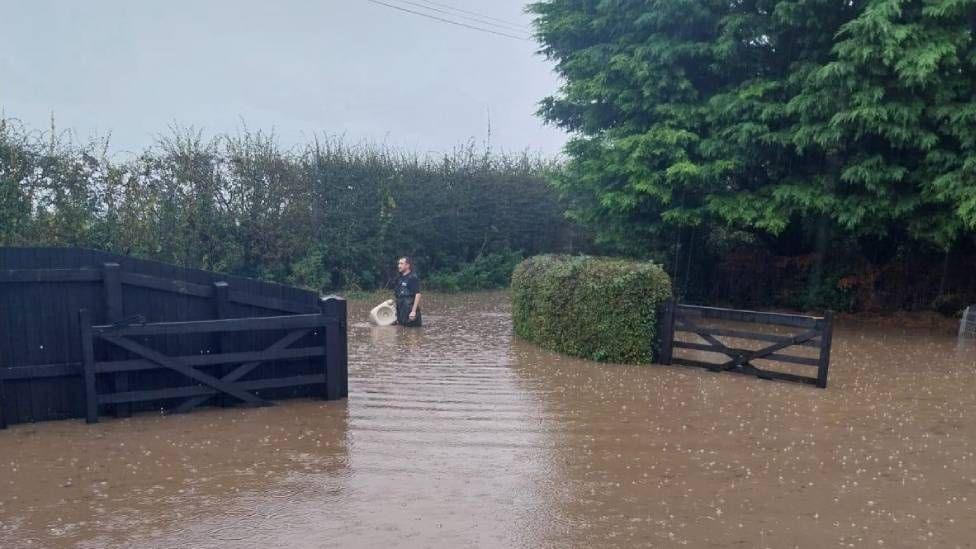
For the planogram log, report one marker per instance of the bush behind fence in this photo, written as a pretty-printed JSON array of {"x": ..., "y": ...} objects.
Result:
[{"x": 327, "y": 215}]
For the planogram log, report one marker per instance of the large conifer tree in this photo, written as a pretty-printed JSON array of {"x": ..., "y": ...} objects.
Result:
[{"x": 761, "y": 114}]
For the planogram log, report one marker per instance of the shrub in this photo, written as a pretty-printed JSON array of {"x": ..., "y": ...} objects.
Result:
[
  {"x": 597, "y": 308},
  {"x": 486, "y": 272}
]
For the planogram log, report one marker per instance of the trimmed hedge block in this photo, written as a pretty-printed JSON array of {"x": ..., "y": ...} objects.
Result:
[{"x": 592, "y": 307}]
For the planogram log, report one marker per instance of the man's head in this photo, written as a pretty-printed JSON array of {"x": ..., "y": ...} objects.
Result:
[{"x": 404, "y": 265}]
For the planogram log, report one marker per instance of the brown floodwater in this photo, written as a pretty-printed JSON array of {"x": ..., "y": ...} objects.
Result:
[{"x": 460, "y": 435}]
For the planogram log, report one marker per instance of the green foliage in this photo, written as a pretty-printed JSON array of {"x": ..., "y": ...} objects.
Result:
[
  {"x": 820, "y": 293},
  {"x": 763, "y": 114},
  {"x": 597, "y": 308},
  {"x": 951, "y": 305},
  {"x": 486, "y": 272},
  {"x": 326, "y": 216}
]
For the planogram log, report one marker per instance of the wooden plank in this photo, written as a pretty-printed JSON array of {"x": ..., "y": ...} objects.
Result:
[
  {"x": 24, "y": 335},
  {"x": 222, "y": 341},
  {"x": 50, "y": 397},
  {"x": 31, "y": 339},
  {"x": 792, "y": 359},
  {"x": 67, "y": 369},
  {"x": 141, "y": 364},
  {"x": 13, "y": 328},
  {"x": 4, "y": 319},
  {"x": 740, "y": 334},
  {"x": 765, "y": 374},
  {"x": 50, "y": 275},
  {"x": 112, "y": 288},
  {"x": 114, "y": 312},
  {"x": 667, "y": 332},
  {"x": 156, "y": 394},
  {"x": 291, "y": 322},
  {"x": 274, "y": 352},
  {"x": 197, "y": 390},
  {"x": 681, "y": 361},
  {"x": 88, "y": 358},
  {"x": 336, "y": 348},
  {"x": 275, "y": 369},
  {"x": 271, "y": 303},
  {"x": 3, "y": 399},
  {"x": 166, "y": 285},
  {"x": 278, "y": 382},
  {"x": 773, "y": 375},
  {"x": 64, "y": 304},
  {"x": 825, "y": 344},
  {"x": 187, "y": 371},
  {"x": 780, "y": 319}
]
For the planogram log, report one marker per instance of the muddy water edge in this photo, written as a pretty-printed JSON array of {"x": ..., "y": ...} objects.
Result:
[{"x": 458, "y": 434}]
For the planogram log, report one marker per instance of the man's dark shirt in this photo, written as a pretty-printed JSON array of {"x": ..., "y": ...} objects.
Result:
[{"x": 407, "y": 286}]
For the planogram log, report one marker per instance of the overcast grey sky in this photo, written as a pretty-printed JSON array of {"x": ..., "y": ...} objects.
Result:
[{"x": 299, "y": 67}]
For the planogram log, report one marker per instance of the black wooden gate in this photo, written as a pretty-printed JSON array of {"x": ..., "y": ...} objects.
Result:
[
  {"x": 155, "y": 336},
  {"x": 323, "y": 328},
  {"x": 809, "y": 331}
]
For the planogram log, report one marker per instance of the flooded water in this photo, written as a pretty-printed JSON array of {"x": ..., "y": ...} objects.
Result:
[{"x": 459, "y": 435}]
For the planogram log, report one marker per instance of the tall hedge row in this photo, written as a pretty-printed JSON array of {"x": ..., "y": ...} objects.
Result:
[
  {"x": 327, "y": 215},
  {"x": 597, "y": 308}
]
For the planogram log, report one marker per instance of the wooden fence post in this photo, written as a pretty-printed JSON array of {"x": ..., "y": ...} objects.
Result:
[
  {"x": 666, "y": 332},
  {"x": 114, "y": 312},
  {"x": 336, "y": 352},
  {"x": 3, "y": 400},
  {"x": 88, "y": 359},
  {"x": 825, "y": 343},
  {"x": 222, "y": 340}
]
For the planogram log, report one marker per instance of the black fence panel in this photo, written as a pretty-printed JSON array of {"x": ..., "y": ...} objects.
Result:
[{"x": 42, "y": 291}]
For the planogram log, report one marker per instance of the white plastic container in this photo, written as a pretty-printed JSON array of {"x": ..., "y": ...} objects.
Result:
[
  {"x": 383, "y": 314},
  {"x": 967, "y": 325}
]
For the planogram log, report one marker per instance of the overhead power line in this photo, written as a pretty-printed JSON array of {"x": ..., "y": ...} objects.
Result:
[
  {"x": 470, "y": 15},
  {"x": 449, "y": 21}
]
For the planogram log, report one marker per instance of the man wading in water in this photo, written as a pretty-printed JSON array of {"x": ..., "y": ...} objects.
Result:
[{"x": 407, "y": 293}]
